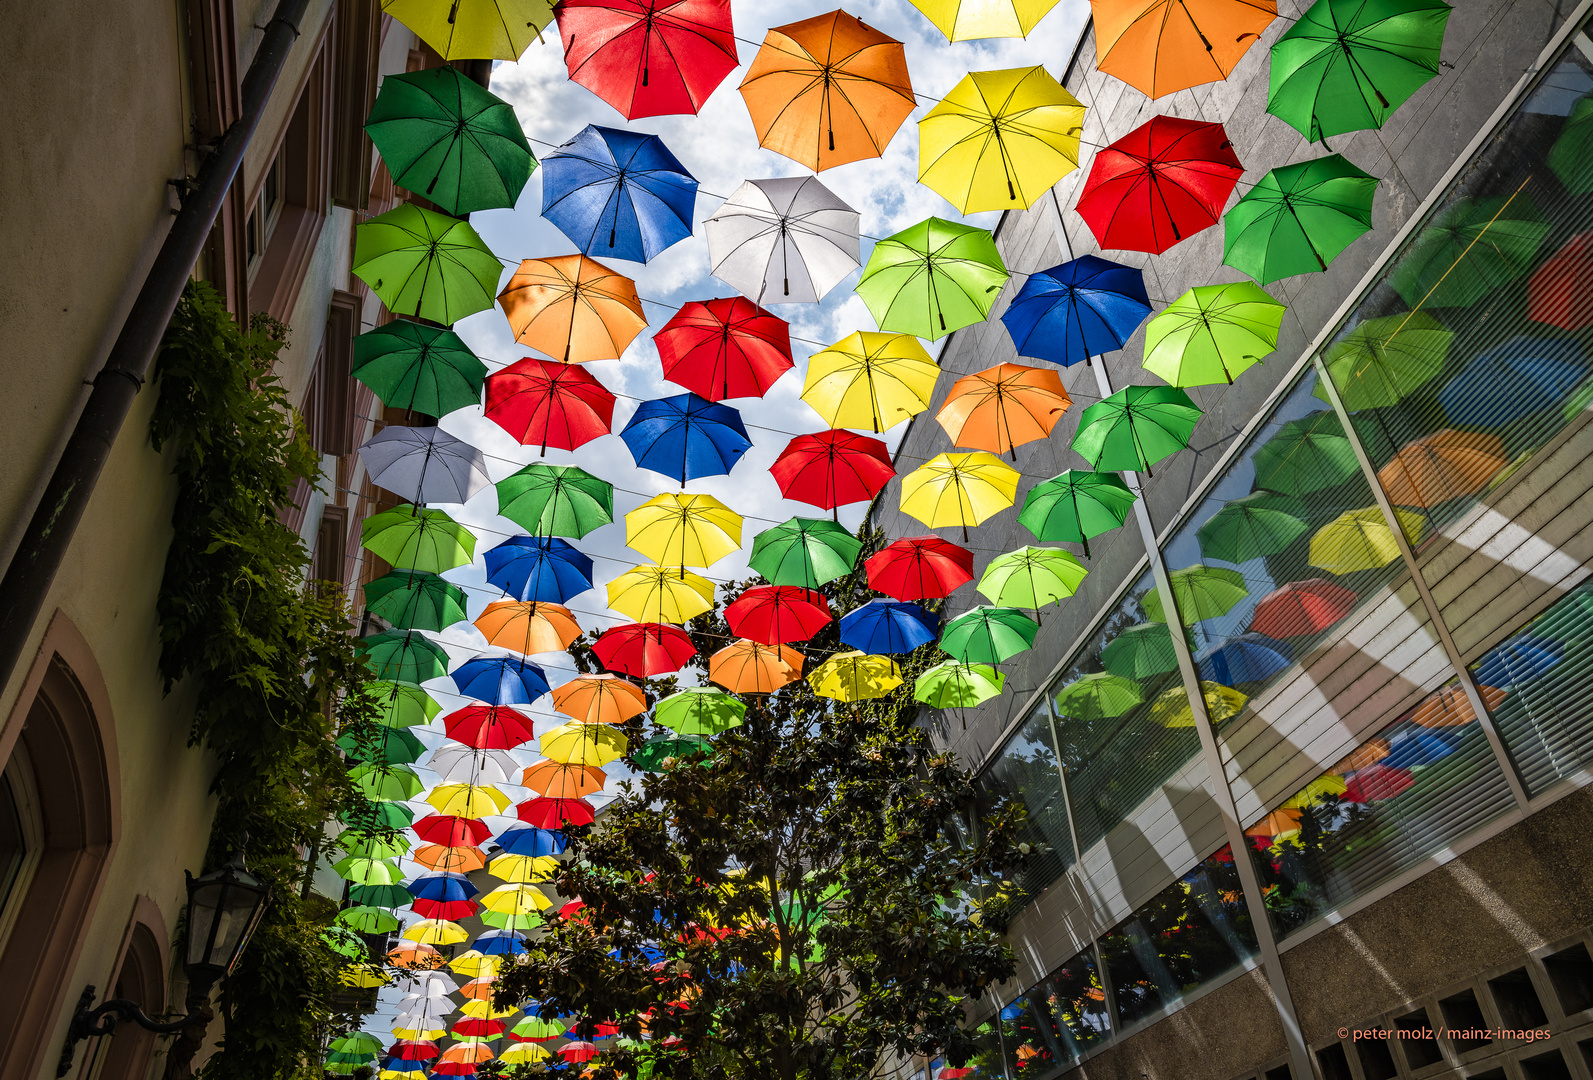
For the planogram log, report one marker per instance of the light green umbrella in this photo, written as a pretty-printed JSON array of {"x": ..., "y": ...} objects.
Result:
[
  {"x": 426, "y": 264},
  {"x": 1381, "y": 360},
  {"x": 1305, "y": 455},
  {"x": 1212, "y": 333},
  {"x": 804, "y": 552},
  {"x": 699, "y": 710},
  {"x": 412, "y": 538},
  {"x": 932, "y": 278},
  {"x": 403, "y": 656},
  {"x": 363, "y": 871},
  {"x": 1141, "y": 652},
  {"x": 1468, "y": 250},
  {"x": 1298, "y": 218},
  {"x": 364, "y": 919},
  {"x": 1202, "y": 592},
  {"x": 401, "y": 706},
  {"x": 1031, "y": 577},
  {"x": 1076, "y": 505},
  {"x": 1136, "y": 427},
  {"x": 394, "y": 746},
  {"x": 1099, "y": 695},
  {"x": 373, "y": 845},
  {"x": 953, "y": 685},
  {"x": 387, "y": 783},
  {"x": 988, "y": 635},
  {"x": 345, "y": 942},
  {"x": 1571, "y": 156},
  {"x": 1258, "y": 524},
  {"x": 410, "y": 365},
  {"x": 556, "y": 500},
  {"x": 650, "y": 755},
  {"x": 415, "y": 600}
]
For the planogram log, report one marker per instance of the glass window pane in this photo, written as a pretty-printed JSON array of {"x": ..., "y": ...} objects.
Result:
[
  {"x": 1076, "y": 1001},
  {"x": 1026, "y": 771}
]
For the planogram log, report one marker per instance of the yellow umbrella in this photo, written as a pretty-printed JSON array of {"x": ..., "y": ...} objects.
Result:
[
  {"x": 963, "y": 20},
  {"x": 528, "y": 626},
  {"x": 476, "y": 965},
  {"x": 871, "y": 380},
  {"x": 482, "y": 1009},
  {"x": 855, "y": 676},
  {"x": 523, "y": 869},
  {"x": 680, "y": 529},
  {"x": 524, "y": 1053},
  {"x": 576, "y": 743},
  {"x": 474, "y": 29},
  {"x": 467, "y": 800},
  {"x": 959, "y": 489},
  {"x": 1000, "y": 139},
  {"x": 660, "y": 594},
  {"x": 1326, "y": 784},
  {"x": 516, "y": 900},
  {"x": 1362, "y": 540},
  {"x": 1171, "y": 707},
  {"x": 436, "y": 932},
  {"x": 420, "y": 1033},
  {"x": 364, "y": 976}
]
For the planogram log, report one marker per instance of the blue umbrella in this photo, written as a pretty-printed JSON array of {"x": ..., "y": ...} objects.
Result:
[
  {"x": 1520, "y": 377},
  {"x": 501, "y": 680},
  {"x": 1246, "y": 658},
  {"x": 500, "y": 942},
  {"x": 444, "y": 886},
  {"x": 1519, "y": 660},
  {"x": 888, "y": 626},
  {"x": 1419, "y": 748},
  {"x": 686, "y": 436},
  {"x": 1077, "y": 310},
  {"x": 618, "y": 194},
  {"x": 539, "y": 568},
  {"x": 525, "y": 839}
]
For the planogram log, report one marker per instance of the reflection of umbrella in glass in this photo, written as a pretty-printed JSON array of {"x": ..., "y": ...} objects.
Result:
[
  {"x": 932, "y": 278},
  {"x": 1003, "y": 407},
  {"x": 1258, "y": 524},
  {"x": 1469, "y": 250},
  {"x": 1136, "y": 427},
  {"x": 684, "y": 437},
  {"x": 1450, "y": 707},
  {"x": 420, "y": 262},
  {"x": 647, "y": 57},
  {"x": 783, "y": 241},
  {"x": 1302, "y": 607},
  {"x": 1442, "y": 466},
  {"x": 1076, "y": 505},
  {"x": 855, "y": 676},
  {"x": 1298, "y": 218},
  {"x": 1571, "y": 156},
  {"x": 1077, "y": 310},
  {"x": 1328, "y": 784},
  {"x": 954, "y": 685},
  {"x": 1561, "y": 290},
  {"x": 1162, "y": 46},
  {"x": 1382, "y": 360},
  {"x": 618, "y": 194},
  {"x": 750, "y": 667},
  {"x": 1141, "y": 652},
  {"x": 1201, "y": 592},
  {"x": 572, "y": 308},
  {"x": 1516, "y": 379},
  {"x": 1212, "y": 333},
  {"x": 1171, "y": 707},
  {"x": 1410, "y": 748},
  {"x": 1246, "y": 658},
  {"x": 1376, "y": 782},
  {"x": 1099, "y": 695},
  {"x": 870, "y": 379},
  {"x": 1362, "y": 540},
  {"x": 1306, "y": 455},
  {"x": 1518, "y": 660}
]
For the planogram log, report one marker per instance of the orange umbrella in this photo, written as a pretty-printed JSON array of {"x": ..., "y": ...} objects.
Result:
[
  {"x": 469, "y": 1052},
  {"x": 827, "y": 90},
  {"x": 748, "y": 667},
  {"x": 412, "y": 954},
  {"x": 480, "y": 989},
  {"x": 456, "y": 860},
  {"x": 528, "y": 626},
  {"x": 1280, "y": 821},
  {"x": 1003, "y": 407},
  {"x": 557, "y": 780},
  {"x": 599, "y": 699},
  {"x": 1442, "y": 466},
  {"x": 1162, "y": 46},
  {"x": 573, "y": 308},
  {"x": 1368, "y": 753},
  {"x": 1450, "y": 707}
]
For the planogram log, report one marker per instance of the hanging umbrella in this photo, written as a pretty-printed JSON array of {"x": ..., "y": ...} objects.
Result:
[
  {"x": 806, "y": 552},
  {"x": 728, "y": 347},
  {"x": 1305, "y": 455},
  {"x": 699, "y": 710},
  {"x": 1251, "y": 527},
  {"x": 1382, "y": 360},
  {"x": 1099, "y": 695},
  {"x": 1141, "y": 652},
  {"x": 1163, "y": 182},
  {"x": 988, "y": 635},
  {"x": 500, "y": 680},
  {"x": 425, "y": 369},
  {"x": 1003, "y": 407},
  {"x": 652, "y": 754},
  {"x": 648, "y": 57},
  {"x": 1031, "y": 577},
  {"x": 855, "y": 676},
  {"x": 522, "y": 839},
  {"x": 415, "y": 600},
  {"x": 363, "y": 920},
  {"x": 1570, "y": 156},
  {"x": 436, "y": 932},
  {"x": 424, "y": 464},
  {"x": 1212, "y": 333},
  {"x": 962, "y": 20},
  {"x": 1302, "y": 607},
  {"x": 1471, "y": 248},
  {"x": 1298, "y": 218},
  {"x": 471, "y": 764},
  {"x": 547, "y": 403},
  {"x": 828, "y": 469},
  {"x": 445, "y": 137},
  {"x": 1076, "y": 505},
  {"x": 660, "y": 594},
  {"x": 1561, "y": 290},
  {"x": 618, "y": 194},
  {"x": 558, "y": 780},
  {"x": 572, "y": 308},
  {"x": 1442, "y": 466},
  {"x": 883, "y": 627},
  {"x": 1162, "y": 46},
  {"x": 458, "y": 859},
  {"x": 387, "y": 815},
  {"x": 524, "y": 1053},
  {"x": 954, "y": 685},
  {"x": 1518, "y": 660},
  {"x": 394, "y": 746},
  {"x": 452, "y": 831},
  {"x": 488, "y": 727},
  {"x": 1346, "y": 65},
  {"x": 999, "y": 139},
  {"x": 578, "y": 1051},
  {"x": 959, "y": 489},
  {"x": 388, "y": 896},
  {"x": 556, "y": 500},
  {"x": 1136, "y": 427},
  {"x": 1377, "y": 782},
  {"x": 777, "y": 614},
  {"x": 474, "y": 29},
  {"x": 644, "y": 649},
  {"x": 411, "y": 538},
  {"x": 387, "y": 783},
  {"x": 403, "y": 656},
  {"x": 870, "y": 379},
  {"x": 680, "y": 529},
  {"x": 750, "y": 667},
  {"x": 423, "y": 263},
  {"x": 932, "y": 278},
  {"x": 1362, "y": 540},
  {"x": 599, "y": 699},
  {"x": 1246, "y": 658},
  {"x": 918, "y": 568},
  {"x": 528, "y": 626},
  {"x": 784, "y": 241},
  {"x": 575, "y": 743},
  {"x": 1077, "y": 310},
  {"x": 827, "y": 90},
  {"x": 1538, "y": 373},
  {"x": 1413, "y": 748},
  {"x": 538, "y": 568},
  {"x": 1201, "y": 592},
  {"x": 399, "y": 705},
  {"x": 684, "y": 437},
  {"x": 1171, "y": 707}
]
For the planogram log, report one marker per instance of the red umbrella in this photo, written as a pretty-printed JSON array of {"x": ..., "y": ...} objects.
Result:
[
  {"x": 571, "y": 908},
  {"x": 643, "y": 649},
  {"x": 413, "y": 1050},
  {"x": 479, "y": 1026},
  {"x": 454, "y": 1068},
  {"x": 648, "y": 57},
  {"x": 832, "y": 468},
  {"x": 724, "y": 348},
  {"x": 490, "y": 727},
  {"x": 546, "y": 403},
  {"x": 452, "y": 910},
  {"x": 452, "y": 831},
  {"x": 1376, "y": 783},
  {"x": 775, "y": 614},
  {"x": 546, "y": 813},
  {"x": 916, "y": 567},
  {"x": 1561, "y": 292},
  {"x": 1161, "y": 183},
  {"x": 578, "y": 1050},
  {"x": 1302, "y": 607}
]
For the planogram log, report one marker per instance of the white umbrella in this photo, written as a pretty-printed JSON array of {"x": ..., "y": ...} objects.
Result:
[
  {"x": 424, "y": 464},
  {"x": 785, "y": 241},
  {"x": 467, "y": 764},
  {"x": 421, "y": 981}
]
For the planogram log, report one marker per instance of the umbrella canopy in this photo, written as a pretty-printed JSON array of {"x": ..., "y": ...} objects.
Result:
[
  {"x": 500, "y": 680},
  {"x": 546, "y": 813},
  {"x": 918, "y": 568},
  {"x": 618, "y": 194},
  {"x": 1099, "y": 695},
  {"x": 1302, "y": 607},
  {"x": 684, "y": 437},
  {"x": 1141, "y": 652},
  {"x": 660, "y": 594},
  {"x": 1163, "y": 182},
  {"x": 828, "y": 469},
  {"x": 410, "y": 365},
  {"x": 1201, "y": 592},
  {"x": 1538, "y": 373},
  {"x": 572, "y": 308},
  {"x": 777, "y": 614},
  {"x": 1382, "y": 360},
  {"x": 654, "y": 753},
  {"x": 1031, "y": 577},
  {"x": 1003, "y": 407},
  {"x": 680, "y": 529},
  {"x": 699, "y": 710},
  {"x": 556, "y": 500},
  {"x": 932, "y": 278},
  {"x": 1306, "y": 455},
  {"x": 1298, "y": 218},
  {"x": 951, "y": 684},
  {"x": 1571, "y": 156},
  {"x": 521, "y": 839},
  {"x": 870, "y": 379},
  {"x": 399, "y": 705},
  {"x": 1212, "y": 333},
  {"x": 1076, "y": 505},
  {"x": 1471, "y": 248},
  {"x": 395, "y": 783},
  {"x": 403, "y": 656},
  {"x": 648, "y": 57},
  {"x": 1136, "y": 427},
  {"x": 1248, "y": 528},
  {"x": 783, "y": 241},
  {"x": 1077, "y": 310},
  {"x": 452, "y": 831},
  {"x": 1346, "y": 65},
  {"x": 855, "y": 676},
  {"x": 599, "y": 699},
  {"x": 988, "y": 635},
  {"x": 474, "y": 29},
  {"x": 546, "y": 403},
  {"x": 489, "y": 727},
  {"x": 999, "y": 139},
  {"x": 959, "y": 489},
  {"x": 1376, "y": 782},
  {"x": 827, "y": 90},
  {"x": 724, "y": 348},
  {"x": 963, "y": 20},
  {"x": 556, "y": 780},
  {"x": 415, "y": 600},
  {"x": 1442, "y": 466},
  {"x": 750, "y": 667},
  {"x": 1162, "y": 46},
  {"x": 539, "y": 568},
  {"x": 1362, "y": 540},
  {"x": 1412, "y": 748},
  {"x": 575, "y": 743},
  {"x": 424, "y": 464},
  {"x": 644, "y": 649},
  {"x": 528, "y": 626},
  {"x": 389, "y": 896},
  {"x": 1518, "y": 660},
  {"x": 411, "y": 538},
  {"x": 364, "y": 920},
  {"x": 1246, "y": 658},
  {"x": 805, "y": 552},
  {"x": 1171, "y": 707},
  {"x": 423, "y": 263},
  {"x": 471, "y": 764},
  {"x": 883, "y": 627},
  {"x": 1561, "y": 291},
  {"x": 466, "y": 800}
]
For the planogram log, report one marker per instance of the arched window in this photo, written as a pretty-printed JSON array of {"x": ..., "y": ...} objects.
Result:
[{"x": 141, "y": 977}]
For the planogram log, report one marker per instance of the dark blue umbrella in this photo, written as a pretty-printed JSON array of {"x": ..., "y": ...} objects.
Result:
[
  {"x": 529, "y": 840},
  {"x": 881, "y": 627},
  {"x": 1246, "y": 658},
  {"x": 618, "y": 194},
  {"x": 444, "y": 886},
  {"x": 1419, "y": 748},
  {"x": 500, "y": 942},
  {"x": 1519, "y": 660},
  {"x": 539, "y": 568},
  {"x": 1520, "y": 377},
  {"x": 686, "y": 436},
  {"x": 1077, "y": 310},
  {"x": 501, "y": 680}
]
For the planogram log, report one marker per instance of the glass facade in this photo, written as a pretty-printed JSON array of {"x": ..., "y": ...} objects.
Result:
[{"x": 1027, "y": 772}]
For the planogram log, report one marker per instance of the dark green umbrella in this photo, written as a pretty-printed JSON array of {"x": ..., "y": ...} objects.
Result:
[
  {"x": 420, "y": 262},
  {"x": 804, "y": 552},
  {"x": 1136, "y": 427},
  {"x": 932, "y": 278},
  {"x": 1298, "y": 218},
  {"x": 444, "y": 136},
  {"x": 1141, "y": 652},
  {"x": 392, "y": 745},
  {"x": 650, "y": 756},
  {"x": 427, "y": 369},
  {"x": 1468, "y": 250},
  {"x": 1305, "y": 455},
  {"x": 1076, "y": 505},
  {"x": 988, "y": 635},
  {"x": 389, "y": 815},
  {"x": 1571, "y": 156},
  {"x": 387, "y": 896},
  {"x": 404, "y": 656},
  {"x": 1202, "y": 592},
  {"x": 1346, "y": 65},
  {"x": 1382, "y": 360},
  {"x": 1259, "y": 524},
  {"x": 415, "y": 600},
  {"x": 399, "y": 705},
  {"x": 556, "y": 500}
]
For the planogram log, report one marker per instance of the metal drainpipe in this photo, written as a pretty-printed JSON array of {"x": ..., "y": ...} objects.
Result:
[{"x": 33, "y": 568}]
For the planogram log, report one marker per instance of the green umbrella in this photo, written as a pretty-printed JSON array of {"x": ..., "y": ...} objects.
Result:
[
  {"x": 1141, "y": 652},
  {"x": 556, "y": 500},
  {"x": 400, "y": 705},
  {"x": 358, "y": 1043},
  {"x": 1298, "y": 218},
  {"x": 805, "y": 552},
  {"x": 366, "y": 871},
  {"x": 1469, "y": 250},
  {"x": 403, "y": 656},
  {"x": 650, "y": 755},
  {"x": 1382, "y": 360},
  {"x": 1099, "y": 695},
  {"x": 410, "y": 365},
  {"x": 1580, "y": 397},
  {"x": 412, "y": 538},
  {"x": 387, "y": 783},
  {"x": 1305, "y": 455},
  {"x": 426, "y": 264},
  {"x": 390, "y": 815},
  {"x": 1211, "y": 334},
  {"x": 364, "y": 920},
  {"x": 416, "y": 600},
  {"x": 988, "y": 635},
  {"x": 699, "y": 710},
  {"x": 1571, "y": 156},
  {"x": 373, "y": 846},
  {"x": 444, "y": 136},
  {"x": 1031, "y": 577},
  {"x": 1259, "y": 524},
  {"x": 1136, "y": 427},
  {"x": 392, "y": 745},
  {"x": 1346, "y": 65},
  {"x": 1202, "y": 592},
  {"x": 387, "y": 896},
  {"x": 954, "y": 685},
  {"x": 932, "y": 278},
  {"x": 1076, "y": 505},
  {"x": 345, "y": 942}
]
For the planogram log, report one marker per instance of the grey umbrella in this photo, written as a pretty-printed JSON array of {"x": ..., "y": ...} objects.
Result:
[
  {"x": 424, "y": 464},
  {"x": 785, "y": 241}
]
